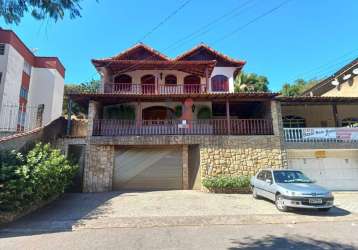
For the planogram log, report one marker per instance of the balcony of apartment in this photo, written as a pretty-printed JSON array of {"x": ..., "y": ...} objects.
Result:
[
  {"x": 184, "y": 118},
  {"x": 321, "y": 122}
]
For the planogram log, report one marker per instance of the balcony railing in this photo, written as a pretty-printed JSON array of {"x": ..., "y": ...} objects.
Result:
[
  {"x": 105, "y": 127},
  {"x": 321, "y": 135},
  {"x": 139, "y": 89}
]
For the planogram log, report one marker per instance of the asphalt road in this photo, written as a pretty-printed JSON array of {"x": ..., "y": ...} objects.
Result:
[{"x": 317, "y": 235}]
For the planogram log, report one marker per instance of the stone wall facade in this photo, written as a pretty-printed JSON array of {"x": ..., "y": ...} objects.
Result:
[
  {"x": 244, "y": 158},
  {"x": 98, "y": 171}
]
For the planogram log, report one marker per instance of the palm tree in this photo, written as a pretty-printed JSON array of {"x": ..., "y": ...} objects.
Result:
[{"x": 250, "y": 82}]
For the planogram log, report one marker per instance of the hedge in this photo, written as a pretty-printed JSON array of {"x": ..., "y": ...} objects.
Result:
[
  {"x": 40, "y": 175},
  {"x": 227, "y": 184}
]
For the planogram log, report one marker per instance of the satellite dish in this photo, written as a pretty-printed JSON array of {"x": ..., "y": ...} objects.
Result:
[
  {"x": 335, "y": 82},
  {"x": 355, "y": 71},
  {"x": 346, "y": 77}
]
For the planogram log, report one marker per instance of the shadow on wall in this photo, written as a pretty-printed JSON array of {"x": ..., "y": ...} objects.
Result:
[
  {"x": 273, "y": 242},
  {"x": 61, "y": 215}
]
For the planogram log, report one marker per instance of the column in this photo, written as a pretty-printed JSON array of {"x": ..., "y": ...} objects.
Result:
[
  {"x": 94, "y": 110},
  {"x": 185, "y": 167},
  {"x": 335, "y": 115},
  {"x": 69, "y": 116},
  {"x": 276, "y": 118},
  {"x": 228, "y": 117}
]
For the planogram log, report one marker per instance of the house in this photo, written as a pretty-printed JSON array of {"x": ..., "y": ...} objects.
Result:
[
  {"x": 344, "y": 82},
  {"x": 31, "y": 87},
  {"x": 321, "y": 129},
  {"x": 166, "y": 123}
]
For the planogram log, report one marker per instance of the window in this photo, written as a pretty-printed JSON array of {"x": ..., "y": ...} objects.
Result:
[
  {"x": 350, "y": 122},
  {"x": 123, "y": 79},
  {"x": 171, "y": 79},
  {"x": 123, "y": 83},
  {"x": 2, "y": 48},
  {"x": 261, "y": 175},
  {"x": 27, "y": 68},
  {"x": 291, "y": 121},
  {"x": 219, "y": 83},
  {"x": 23, "y": 92}
]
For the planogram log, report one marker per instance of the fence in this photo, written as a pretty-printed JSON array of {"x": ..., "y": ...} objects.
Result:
[{"x": 15, "y": 118}]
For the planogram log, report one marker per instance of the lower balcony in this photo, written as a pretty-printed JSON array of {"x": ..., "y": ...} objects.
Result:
[
  {"x": 106, "y": 127},
  {"x": 333, "y": 135}
]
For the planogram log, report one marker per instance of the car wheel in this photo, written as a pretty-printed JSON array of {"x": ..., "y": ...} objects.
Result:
[
  {"x": 326, "y": 209},
  {"x": 254, "y": 193},
  {"x": 280, "y": 204}
]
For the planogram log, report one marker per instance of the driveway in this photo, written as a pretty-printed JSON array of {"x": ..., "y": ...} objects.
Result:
[{"x": 169, "y": 208}]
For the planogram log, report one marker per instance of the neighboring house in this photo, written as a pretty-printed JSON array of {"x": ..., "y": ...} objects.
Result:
[
  {"x": 162, "y": 123},
  {"x": 321, "y": 138},
  {"x": 29, "y": 85},
  {"x": 342, "y": 83}
]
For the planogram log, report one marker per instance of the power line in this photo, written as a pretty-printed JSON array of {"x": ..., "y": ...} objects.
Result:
[
  {"x": 167, "y": 18},
  {"x": 266, "y": 13}
]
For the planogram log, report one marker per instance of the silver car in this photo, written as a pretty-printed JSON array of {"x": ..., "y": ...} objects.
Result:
[{"x": 290, "y": 189}]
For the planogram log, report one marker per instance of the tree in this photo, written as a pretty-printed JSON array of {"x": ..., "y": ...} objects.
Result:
[
  {"x": 13, "y": 10},
  {"x": 87, "y": 87},
  {"x": 250, "y": 82},
  {"x": 297, "y": 87}
]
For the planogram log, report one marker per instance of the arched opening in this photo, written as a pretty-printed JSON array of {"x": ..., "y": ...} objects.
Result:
[
  {"x": 171, "y": 80},
  {"x": 291, "y": 121},
  {"x": 157, "y": 115},
  {"x": 123, "y": 83},
  {"x": 220, "y": 83},
  {"x": 192, "y": 84},
  {"x": 350, "y": 122},
  {"x": 148, "y": 84}
]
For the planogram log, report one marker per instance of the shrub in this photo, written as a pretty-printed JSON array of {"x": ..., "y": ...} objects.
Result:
[
  {"x": 28, "y": 179},
  {"x": 226, "y": 183},
  {"x": 204, "y": 113},
  {"x": 125, "y": 112}
]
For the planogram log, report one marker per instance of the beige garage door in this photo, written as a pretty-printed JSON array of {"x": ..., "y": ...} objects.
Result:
[
  {"x": 148, "y": 169},
  {"x": 337, "y": 170}
]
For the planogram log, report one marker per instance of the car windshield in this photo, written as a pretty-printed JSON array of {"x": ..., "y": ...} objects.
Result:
[{"x": 287, "y": 176}]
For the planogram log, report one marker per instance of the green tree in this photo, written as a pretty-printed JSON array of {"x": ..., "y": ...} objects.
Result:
[
  {"x": 297, "y": 87},
  {"x": 250, "y": 82},
  {"x": 87, "y": 87},
  {"x": 13, "y": 10}
]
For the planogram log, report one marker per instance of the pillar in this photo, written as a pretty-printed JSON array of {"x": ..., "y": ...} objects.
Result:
[
  {"x": 276, "y": 118},
  {"x": 228, "y": 117},
  {"x": 94, "y": 111},
  {"x": 185, "y": 161}
]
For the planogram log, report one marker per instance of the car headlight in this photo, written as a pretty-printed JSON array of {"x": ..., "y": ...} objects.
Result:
[{"x": 329, "y": 194}]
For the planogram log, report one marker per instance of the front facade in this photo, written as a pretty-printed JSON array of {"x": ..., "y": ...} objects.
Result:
[
  {"x": 161, "y": 123},
  {"x": 28, "y": 85}
]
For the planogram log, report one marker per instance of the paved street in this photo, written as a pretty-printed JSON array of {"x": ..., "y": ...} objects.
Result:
[
  {"x": 327, "y": 235},
  {"x": 180, "y": 220}
]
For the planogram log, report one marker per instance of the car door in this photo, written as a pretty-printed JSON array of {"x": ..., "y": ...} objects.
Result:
[
  {"x": 260, "y": 183},
  {"x": 269, "y": 186}
]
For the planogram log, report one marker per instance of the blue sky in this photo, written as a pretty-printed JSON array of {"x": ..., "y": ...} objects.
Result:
[{"x": 303, "y": 38}]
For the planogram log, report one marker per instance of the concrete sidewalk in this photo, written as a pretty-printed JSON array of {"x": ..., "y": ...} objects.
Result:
[{"x": 170, "y": 208}]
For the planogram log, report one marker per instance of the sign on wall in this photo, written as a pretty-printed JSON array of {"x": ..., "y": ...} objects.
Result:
[{"x": 345, "y": 134}]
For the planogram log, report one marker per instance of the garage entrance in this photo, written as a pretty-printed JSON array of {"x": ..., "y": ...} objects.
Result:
[
  {"x": 336, "y": 170},
  {"x": 148, "y": 169}
]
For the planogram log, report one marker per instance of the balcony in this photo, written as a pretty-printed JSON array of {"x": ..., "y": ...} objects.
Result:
[
  {"x": 332, "y": 135},
  {"x": 105, "y": 127},
  {"x": 153, "y": 89}
]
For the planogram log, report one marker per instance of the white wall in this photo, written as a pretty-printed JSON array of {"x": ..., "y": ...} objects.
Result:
[
  {"x": 46, "y": 87},
  {"x": 12, "y": 76}
]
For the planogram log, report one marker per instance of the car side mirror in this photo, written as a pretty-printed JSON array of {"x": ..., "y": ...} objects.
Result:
[{"x": 268, "y": 181}]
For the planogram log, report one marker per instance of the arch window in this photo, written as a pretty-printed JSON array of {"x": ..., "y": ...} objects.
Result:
[
  {"x": 148, "y": 84},
  {"x": 350, "y": 122},
  {"x": 291, "y": 121},
  {"x": 171, "y": 80},
  {"x": 220, "y": 83},
  {"x": 123, "y": 83},
  {"x": 192, "y": 84}
]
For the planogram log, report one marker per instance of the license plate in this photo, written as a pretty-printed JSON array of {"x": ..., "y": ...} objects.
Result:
[{"x": 315, "y": 201}]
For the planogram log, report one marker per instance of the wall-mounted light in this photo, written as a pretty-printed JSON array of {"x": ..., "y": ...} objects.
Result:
[
  {"x": 193, "y": 108},
  {"x": 335, "y": 82},
  {"x": 346, "y": 77}
]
